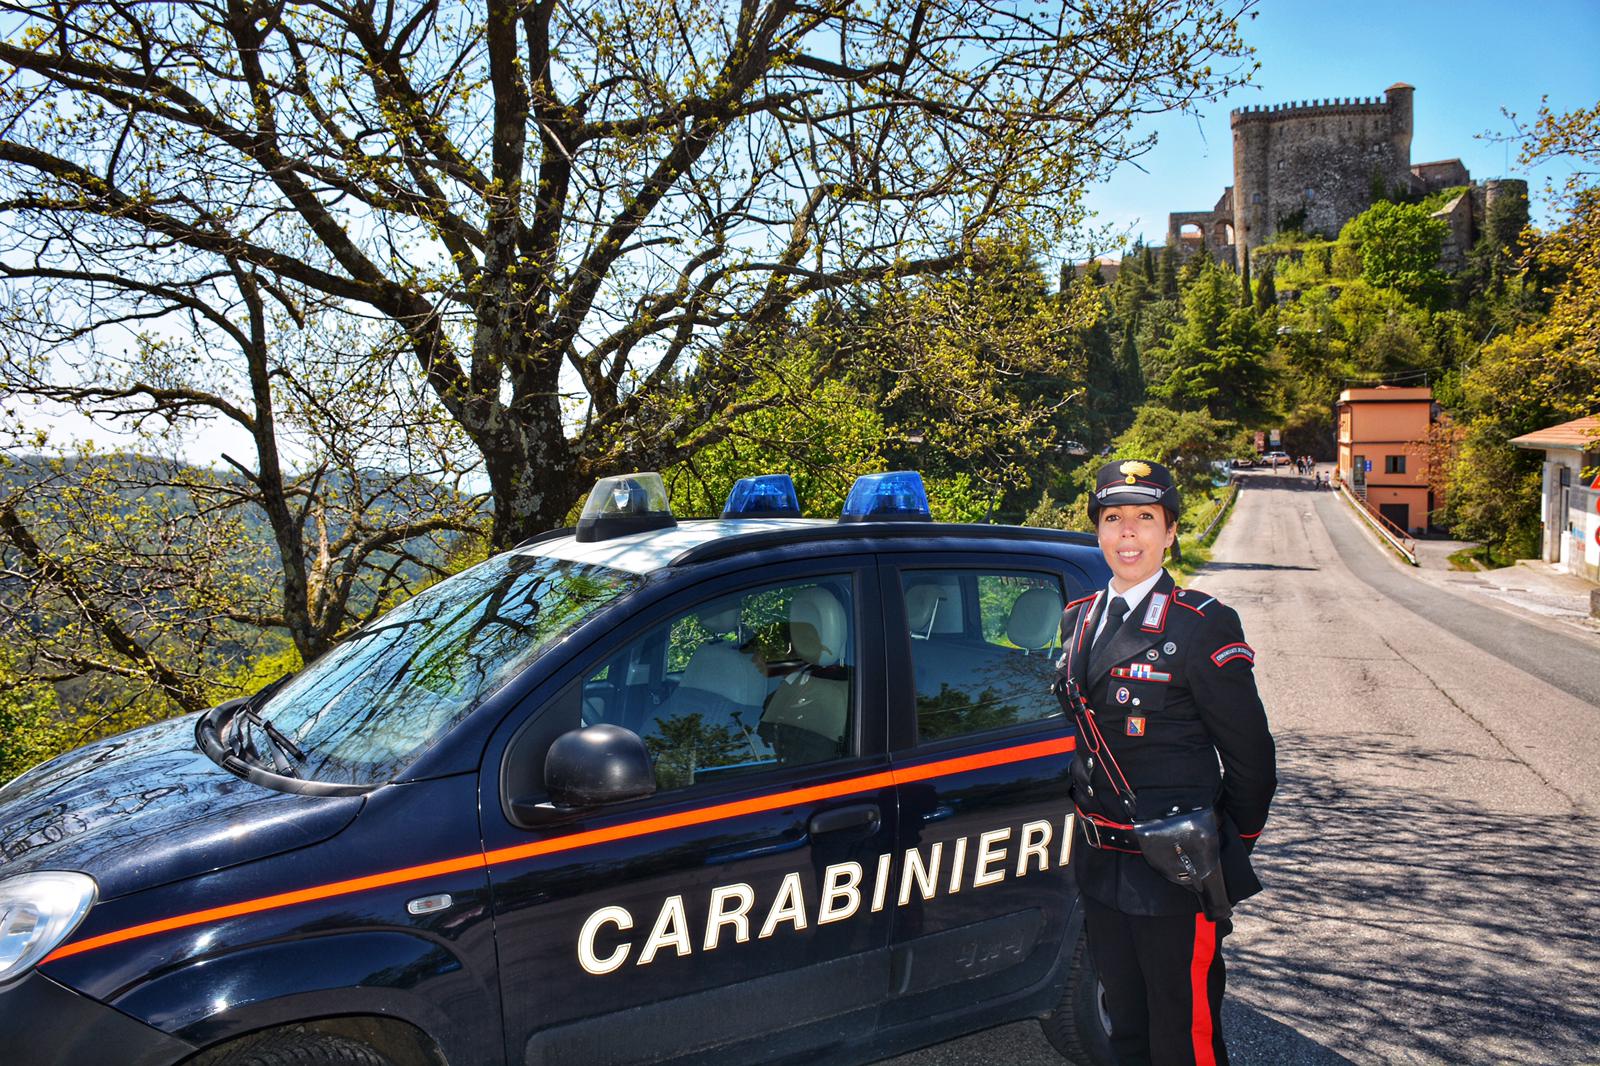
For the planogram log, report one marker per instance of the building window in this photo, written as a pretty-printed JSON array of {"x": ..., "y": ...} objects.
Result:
[
  {"x": 1311, "y": 194},
  {"x": 1255, "y": 198},
  {"x": 1280, "y": 164},
  {"x": 1394, "y": 464}
]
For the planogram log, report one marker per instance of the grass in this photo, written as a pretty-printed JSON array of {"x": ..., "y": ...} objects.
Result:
[
  {"x": 1478, "y": 557},
  {"x": 1197, "y": 552}
]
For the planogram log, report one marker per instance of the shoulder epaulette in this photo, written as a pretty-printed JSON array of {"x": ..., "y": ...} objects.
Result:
[{"x": 1195, "y": 600}]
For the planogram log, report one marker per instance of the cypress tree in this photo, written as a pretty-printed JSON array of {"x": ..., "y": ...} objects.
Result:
[
  {"x": 1169, "y": 273},
  {"x": 1244, "y": 289},
  {"x": 1266, "y": 290}
]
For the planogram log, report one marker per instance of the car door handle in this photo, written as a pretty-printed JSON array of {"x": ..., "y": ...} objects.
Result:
[{"x": 857, "y": 816}]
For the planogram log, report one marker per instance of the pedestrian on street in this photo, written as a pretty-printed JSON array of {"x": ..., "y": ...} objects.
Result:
[{"x": 1167, "y": 689}]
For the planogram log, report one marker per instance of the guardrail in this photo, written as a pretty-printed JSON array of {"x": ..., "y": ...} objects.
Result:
[
  {"x": 1397, "y": 538},
  {"x": 1222, "y": 510}
]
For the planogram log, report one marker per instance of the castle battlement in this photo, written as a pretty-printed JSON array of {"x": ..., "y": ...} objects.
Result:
[{"x": 1300, "y": 108}]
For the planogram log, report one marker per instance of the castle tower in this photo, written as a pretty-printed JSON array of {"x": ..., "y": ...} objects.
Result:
[
  {"x": 1313, "y": 165},
  {"x": 1399, "y": 96}
]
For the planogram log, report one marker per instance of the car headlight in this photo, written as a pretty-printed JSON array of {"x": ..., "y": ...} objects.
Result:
[{"x": 37, "y": 912}]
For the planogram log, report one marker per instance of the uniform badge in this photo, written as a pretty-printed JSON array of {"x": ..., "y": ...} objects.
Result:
[
  {"x": 1170, "y": 648},
  {"x": 1152, "y": 655},
  {"x": 1122, "y": 694},
  {"x": 1133, "y": 470},
  {"x": 1135, "y": 727}
]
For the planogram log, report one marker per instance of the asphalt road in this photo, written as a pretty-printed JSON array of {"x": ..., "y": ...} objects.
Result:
[{"x": 1431, "y": 863}]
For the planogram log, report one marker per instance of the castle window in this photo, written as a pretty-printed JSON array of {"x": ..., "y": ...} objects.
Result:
[
  {"x": 1255, "y": 198},
  {"x": 1311, "y": 194},
  {"x": 1280, "y": 164}
]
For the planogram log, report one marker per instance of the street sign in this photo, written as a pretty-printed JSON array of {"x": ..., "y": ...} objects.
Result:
[
  {"x": 1275, "y": 438},
  {"x": 1366, "y": 466}
]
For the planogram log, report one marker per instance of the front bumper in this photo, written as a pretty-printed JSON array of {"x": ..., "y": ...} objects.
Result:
[{"x": 45, "y": 1024}]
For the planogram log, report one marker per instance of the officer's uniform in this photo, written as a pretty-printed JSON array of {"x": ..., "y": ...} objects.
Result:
[{"x": 1171, "y": 688}]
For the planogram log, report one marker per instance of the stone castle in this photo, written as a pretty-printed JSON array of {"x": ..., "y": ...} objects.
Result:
[{"x": 1313, "y": 166}]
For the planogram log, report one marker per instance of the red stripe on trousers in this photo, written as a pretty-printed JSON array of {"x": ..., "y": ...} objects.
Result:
[{"x": 1205, "y": 950}]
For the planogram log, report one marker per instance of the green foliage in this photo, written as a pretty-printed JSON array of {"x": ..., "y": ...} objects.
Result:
[
  {"x": 1398, "y": 247},
  {"x": 1217, "y": 358},
  {"x": 33, "y": 727}
]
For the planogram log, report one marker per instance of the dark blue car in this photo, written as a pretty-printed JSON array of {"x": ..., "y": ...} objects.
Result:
[{"x": 752, "y": 790}]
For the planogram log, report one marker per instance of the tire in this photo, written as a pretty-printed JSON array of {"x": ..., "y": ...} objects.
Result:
[
  {"x": 296, "y": 1047},
  {"x": 1079, "y": 1028}
]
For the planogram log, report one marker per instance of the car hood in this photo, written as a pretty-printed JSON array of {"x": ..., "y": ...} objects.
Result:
[{"x": 148, "y": 807}]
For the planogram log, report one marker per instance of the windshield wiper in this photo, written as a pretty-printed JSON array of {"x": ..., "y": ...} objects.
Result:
[{"x": 281, "y": 743}]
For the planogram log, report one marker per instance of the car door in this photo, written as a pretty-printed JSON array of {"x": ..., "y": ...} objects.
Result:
[
  {"x": 981, "y": 749},
  {"x": 729, "y": 917}
]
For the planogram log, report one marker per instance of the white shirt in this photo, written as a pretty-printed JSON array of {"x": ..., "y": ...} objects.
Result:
[{"x": 1133, "y": 597}]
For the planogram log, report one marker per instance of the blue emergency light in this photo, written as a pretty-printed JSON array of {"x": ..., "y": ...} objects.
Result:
[
  {"x": 627, "y": 503},
  {"x": 895, "y": 496},
  {"x": 767, "y": 496}
]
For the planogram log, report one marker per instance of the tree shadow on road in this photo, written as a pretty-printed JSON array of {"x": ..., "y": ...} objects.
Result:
[{"x": 1400, "y": 925}]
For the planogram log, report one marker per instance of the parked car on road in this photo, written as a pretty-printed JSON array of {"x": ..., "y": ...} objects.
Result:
[{"x": 760, "y": 789}]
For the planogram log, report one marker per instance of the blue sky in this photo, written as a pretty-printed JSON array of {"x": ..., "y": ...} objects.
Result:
[{"x": 1467, "y": 59}]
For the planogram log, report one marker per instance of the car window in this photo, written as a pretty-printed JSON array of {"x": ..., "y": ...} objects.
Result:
[
  {"x": 745, "y": 683},
  {"x": 983, "y": 647},
  {"x": 373, "y": 704}
]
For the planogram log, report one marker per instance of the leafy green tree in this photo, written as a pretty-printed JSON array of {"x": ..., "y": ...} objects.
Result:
[
  {"x": 548, "y": 213},
  {"x": 1216, "y": 358},
  {"x": 1398, "y": 246}
]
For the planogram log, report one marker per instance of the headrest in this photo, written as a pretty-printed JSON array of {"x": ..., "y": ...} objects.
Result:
[
  {"x": 1035, "y": 619},
  {"x": 725, "y": 671},
  {"x": 817, "y": 626},
  {"x": 938, "y": 602},
  {"x": 720, "y": 617}
]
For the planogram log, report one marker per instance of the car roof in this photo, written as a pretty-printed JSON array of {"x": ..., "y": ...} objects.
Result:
[{"x": 694, "y": 541}]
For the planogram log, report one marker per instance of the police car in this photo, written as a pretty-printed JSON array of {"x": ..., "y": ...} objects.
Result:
[{"x": 751, "y": 790}]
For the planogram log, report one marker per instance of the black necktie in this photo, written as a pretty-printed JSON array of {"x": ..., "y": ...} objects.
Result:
[{"x": 1116, "y": 611}]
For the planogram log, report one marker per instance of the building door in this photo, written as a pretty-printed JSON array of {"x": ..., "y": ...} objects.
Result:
[{"x": 1398, "y": 513}]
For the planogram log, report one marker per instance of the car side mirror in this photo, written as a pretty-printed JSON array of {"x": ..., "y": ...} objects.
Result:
[{"x": 587, "y": 768}]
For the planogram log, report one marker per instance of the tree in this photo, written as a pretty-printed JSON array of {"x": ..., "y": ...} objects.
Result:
[
  {"x": 1543, "y": 371},
  {"x": 1398, "y": 246},
  {"x": 1216, "y": 358},
  {"x": 1266, "y": 288},
  {"x": 545, "y": 213}
]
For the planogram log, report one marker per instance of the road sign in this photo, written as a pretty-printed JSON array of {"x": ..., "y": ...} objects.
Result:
[{"x": 1366, "y": 467}]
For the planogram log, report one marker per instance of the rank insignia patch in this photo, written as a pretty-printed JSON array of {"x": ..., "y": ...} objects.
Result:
[
  {"x": 1140, "y": 672},
  {"x": 1135, "y": 727},
  {"x": 1155, "y": 615},
  {"x": 1122, "y": 694}
]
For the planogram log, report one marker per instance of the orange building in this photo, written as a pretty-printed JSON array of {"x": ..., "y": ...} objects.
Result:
[{"x": 1383, "y": 457}]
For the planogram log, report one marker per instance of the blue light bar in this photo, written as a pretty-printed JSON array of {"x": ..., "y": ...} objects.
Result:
[
  {"x": 896, "y": 496},
  {"x": 767, "y": 496}
]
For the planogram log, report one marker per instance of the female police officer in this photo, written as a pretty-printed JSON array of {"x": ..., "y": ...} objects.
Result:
[{"x": 1167, "y": 693}]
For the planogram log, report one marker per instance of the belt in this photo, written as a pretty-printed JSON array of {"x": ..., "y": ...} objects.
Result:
[{"x": 1106, "y": 835}]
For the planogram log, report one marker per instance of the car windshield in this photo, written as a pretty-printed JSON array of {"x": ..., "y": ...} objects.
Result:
[{"x": 370, "y": 706}]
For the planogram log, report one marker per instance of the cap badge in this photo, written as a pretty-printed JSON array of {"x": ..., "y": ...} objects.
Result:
[{"x": 1133, "y": 470}]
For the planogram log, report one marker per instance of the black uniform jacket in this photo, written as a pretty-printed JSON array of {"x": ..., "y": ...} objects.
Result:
[{"x": 1172, "y": 691}]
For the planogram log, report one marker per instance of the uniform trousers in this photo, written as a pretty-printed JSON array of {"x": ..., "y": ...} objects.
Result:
[{"x": 1163, "y": 978}]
